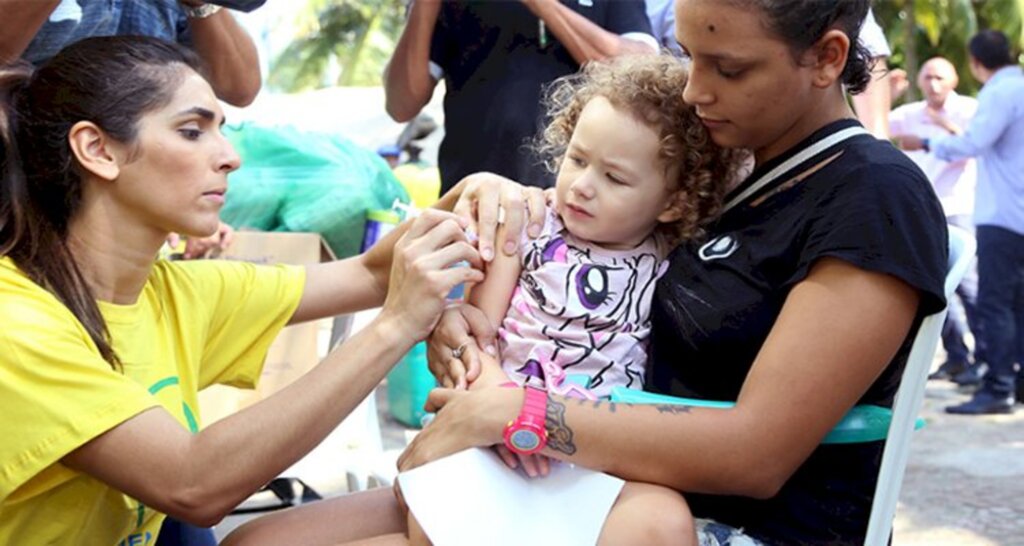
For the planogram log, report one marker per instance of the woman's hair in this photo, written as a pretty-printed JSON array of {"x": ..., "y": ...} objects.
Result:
[
  {"x": 991, "y": 48},
  {"x": 112, "y": 82},
  {"x": 650, "y": 87},
  {"x": 801, "y": 23}
]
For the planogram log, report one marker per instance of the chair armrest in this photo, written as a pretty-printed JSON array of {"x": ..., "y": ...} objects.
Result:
[{"x": 863, "y": 423}]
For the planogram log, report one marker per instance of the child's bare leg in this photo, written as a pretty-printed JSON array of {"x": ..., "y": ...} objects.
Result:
[
  {"x": 348, "y": 518},
  {"x": 416, "y": 535},
  {"x": 649, "y": 514}
]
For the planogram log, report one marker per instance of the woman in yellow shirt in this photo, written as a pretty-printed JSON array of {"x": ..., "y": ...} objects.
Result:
[{"x": 106, "y": 149}]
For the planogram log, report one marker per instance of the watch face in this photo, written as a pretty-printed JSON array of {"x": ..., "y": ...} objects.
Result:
[{"x": 525, "y": 440}]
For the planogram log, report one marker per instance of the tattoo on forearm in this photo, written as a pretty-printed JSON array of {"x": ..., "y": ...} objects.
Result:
[
  {"x": 673, "y": 408},
  {"x": 559, "y": 433}
]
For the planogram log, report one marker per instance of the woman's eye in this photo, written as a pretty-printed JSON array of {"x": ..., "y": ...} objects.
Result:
[
  {"x": 729, "y": 74},
  {"x": 577, "y": 161},
  {"x": 191, "y": 134}
]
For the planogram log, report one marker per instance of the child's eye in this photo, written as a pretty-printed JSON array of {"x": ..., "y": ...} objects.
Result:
[
  {"x": 577, "y": 161},
  {"x": 616, "y": 179}
]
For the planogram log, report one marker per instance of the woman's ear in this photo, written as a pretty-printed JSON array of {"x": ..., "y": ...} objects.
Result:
[
  {"x": 829, "y": 57},
  {"x": 94, "y": 151}
]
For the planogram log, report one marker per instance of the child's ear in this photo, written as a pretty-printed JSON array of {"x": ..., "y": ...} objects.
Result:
[{"x": 673, "y": 209}]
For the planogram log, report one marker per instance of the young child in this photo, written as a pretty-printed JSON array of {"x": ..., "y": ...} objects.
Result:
[{"x": 636, "y": 173}]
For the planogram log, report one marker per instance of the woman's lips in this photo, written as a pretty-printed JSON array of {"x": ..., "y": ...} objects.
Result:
[
  {"x": 713, "y": 123},
  {"x": 215, "y": 196}
]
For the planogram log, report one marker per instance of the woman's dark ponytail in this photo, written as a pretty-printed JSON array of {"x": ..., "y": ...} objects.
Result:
[
  {"x": 13, "y": 80},
  {"x": 27, "y": 233}
]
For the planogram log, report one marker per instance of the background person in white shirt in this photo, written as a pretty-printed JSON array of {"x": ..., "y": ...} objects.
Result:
[
  {"x": 873, "y": 104},
  {"x": 996, "y": 137},
  {"x": 943, "y": 112}
]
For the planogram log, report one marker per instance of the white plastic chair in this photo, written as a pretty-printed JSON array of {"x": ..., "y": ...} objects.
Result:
[{"x": 910, "y": 395}]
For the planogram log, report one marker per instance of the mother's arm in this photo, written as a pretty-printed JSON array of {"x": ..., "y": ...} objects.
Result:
[{"x": 837, "y": 331}]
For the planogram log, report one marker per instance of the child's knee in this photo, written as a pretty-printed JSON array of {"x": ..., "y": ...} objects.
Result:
[
  {"x": 649, "y": 514},
  {"x": 670, "y": 523}
]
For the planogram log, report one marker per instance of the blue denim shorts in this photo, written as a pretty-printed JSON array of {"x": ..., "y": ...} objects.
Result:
[{"x": 712, "y": 533}]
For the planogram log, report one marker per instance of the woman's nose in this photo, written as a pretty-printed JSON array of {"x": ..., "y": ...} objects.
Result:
[
  {"x": 230, "y": 161},
  {"x": 695, "y": 92}
]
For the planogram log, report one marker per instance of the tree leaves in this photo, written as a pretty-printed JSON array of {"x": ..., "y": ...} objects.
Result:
[
  {"x": 921, "y": 29},
  {"x": 339, "y": 42}
]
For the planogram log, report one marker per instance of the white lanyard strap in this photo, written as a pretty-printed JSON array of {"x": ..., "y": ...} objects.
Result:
[{"x": 794, "y": 161}]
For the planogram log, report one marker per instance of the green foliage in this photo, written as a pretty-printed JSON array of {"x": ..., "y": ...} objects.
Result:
[
  {"x": 339, "y": 42},
  {"x": 920, "y": 29}
]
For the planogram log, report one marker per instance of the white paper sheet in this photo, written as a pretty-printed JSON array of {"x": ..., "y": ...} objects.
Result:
[{"x": 472, "y": 498}]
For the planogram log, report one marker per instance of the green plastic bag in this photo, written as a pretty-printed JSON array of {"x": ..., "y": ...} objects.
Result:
[{"x": 293, "y": 180}]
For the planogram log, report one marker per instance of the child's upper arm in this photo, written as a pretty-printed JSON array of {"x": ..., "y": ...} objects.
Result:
[{"x": 492, "y": 296}]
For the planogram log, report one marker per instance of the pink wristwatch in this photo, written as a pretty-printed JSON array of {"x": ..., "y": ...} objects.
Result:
[{"x": 526, "y": 434}]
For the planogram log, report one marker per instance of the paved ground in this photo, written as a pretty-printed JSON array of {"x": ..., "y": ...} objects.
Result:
[{"x": 965, "y": 478}]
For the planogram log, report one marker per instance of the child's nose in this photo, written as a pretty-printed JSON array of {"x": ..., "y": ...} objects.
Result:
[{"x": 583, "y": 186}]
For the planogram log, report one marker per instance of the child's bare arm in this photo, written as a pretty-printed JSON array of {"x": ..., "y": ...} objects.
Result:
[{"x": 492, "y": 296}]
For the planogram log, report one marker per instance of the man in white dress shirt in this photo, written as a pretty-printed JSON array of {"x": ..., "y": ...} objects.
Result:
[{"x": 943, "y": 112}]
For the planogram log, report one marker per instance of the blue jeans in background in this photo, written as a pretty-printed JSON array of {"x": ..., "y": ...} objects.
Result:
[
  {"x": 963, "y": 317},
  {"x": 1001, "y": 305}
]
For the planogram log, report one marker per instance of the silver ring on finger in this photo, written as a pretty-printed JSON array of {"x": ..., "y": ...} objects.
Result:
[{"x": 459, "y": 351}]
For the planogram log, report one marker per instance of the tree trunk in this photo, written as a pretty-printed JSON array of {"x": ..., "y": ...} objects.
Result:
[{"x": 910, "y": 50}]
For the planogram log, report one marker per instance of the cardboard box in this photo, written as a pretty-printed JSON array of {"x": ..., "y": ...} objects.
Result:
[{"x": 294, "y": 351}]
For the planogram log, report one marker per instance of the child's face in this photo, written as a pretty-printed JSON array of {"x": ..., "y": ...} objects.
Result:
[{"x": 612, "y": 187}]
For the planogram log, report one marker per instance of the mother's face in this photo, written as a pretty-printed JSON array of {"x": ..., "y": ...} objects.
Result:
[{"x": 747, "y": 87}]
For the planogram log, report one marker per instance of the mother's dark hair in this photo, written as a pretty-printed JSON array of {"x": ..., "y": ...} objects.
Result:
[
  {"x": 111, "y": 82},
  {"x": 801, "y": 23}
]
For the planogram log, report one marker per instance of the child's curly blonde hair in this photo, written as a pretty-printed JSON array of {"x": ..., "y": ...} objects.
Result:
[{"x": 651, "y": 88}]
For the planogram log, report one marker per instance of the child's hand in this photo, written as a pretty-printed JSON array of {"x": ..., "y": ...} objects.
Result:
[
  {"x": 534, "y": 465},
  {"x": 462, "y": 326}
]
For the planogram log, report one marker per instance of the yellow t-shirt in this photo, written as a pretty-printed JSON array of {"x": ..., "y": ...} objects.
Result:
[{"x": 195, "y": 324}]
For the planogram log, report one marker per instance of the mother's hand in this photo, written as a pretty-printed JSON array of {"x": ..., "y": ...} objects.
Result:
[
  {"x": 482, "y": 196},
  {"x": 422, "y": 272},
  {"x": 464, "y": 419}
]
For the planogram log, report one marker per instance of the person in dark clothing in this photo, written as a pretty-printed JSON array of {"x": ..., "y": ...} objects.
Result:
[{"x": 495, "y": 58}]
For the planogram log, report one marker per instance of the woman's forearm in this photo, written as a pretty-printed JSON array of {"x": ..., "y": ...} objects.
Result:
[
  {"x": 22, "y": 21},
  {"x": 686, "y": 448},
  {"x": 237, "y": 455},
  {"x": 201, "y": 477}
]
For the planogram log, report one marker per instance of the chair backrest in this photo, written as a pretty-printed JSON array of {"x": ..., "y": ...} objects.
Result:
[{"x": 911, "y": 394}]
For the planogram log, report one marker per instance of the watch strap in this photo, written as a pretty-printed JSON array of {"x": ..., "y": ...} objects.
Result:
[
  {"x": 202, "y": 11},
  {"x": 535, "y": 404}
]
